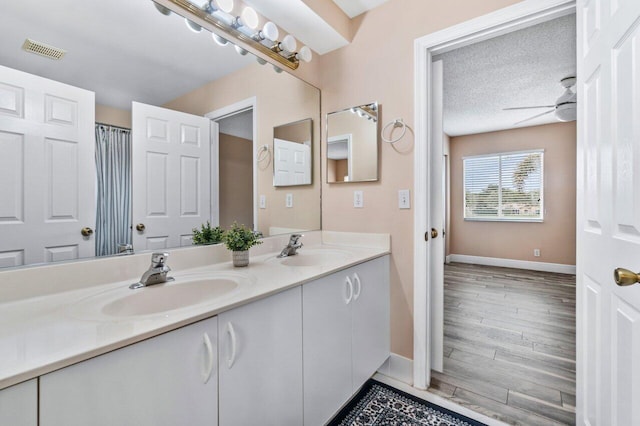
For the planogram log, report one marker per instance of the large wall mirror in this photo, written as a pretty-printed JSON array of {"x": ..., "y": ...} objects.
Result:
[
  {"x": 142, "y": 131},
  {"x": 292, "y": 153},
  {"x": 352, "y": 144}
]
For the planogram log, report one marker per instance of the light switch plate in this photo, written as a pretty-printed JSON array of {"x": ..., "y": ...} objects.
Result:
[
  {"x": 289, "y": 200},
  {"x": 263, "y": 202},
  {"x": 358, "y": 199},
  {"x": 404, "y": 199}
]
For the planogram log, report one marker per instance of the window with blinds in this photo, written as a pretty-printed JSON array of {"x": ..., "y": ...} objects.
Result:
[{"x": 505, "y": 186}]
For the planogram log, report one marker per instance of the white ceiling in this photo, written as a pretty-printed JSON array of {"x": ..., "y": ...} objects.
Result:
[
  {"x": 123, "y": 50},
  {"x": 522, "y": 68},
  {"x": 354, "y": 8}
]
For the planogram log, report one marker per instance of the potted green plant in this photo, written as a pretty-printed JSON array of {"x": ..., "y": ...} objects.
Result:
[
  {"x": 239, "y": 239},
  {"x": 207, "y": 235}
]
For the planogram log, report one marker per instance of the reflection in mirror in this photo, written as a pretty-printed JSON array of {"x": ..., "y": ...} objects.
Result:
[
  {"x": 352, "y": 144},
  {"x": 120, "y": 53},
  {"x": 292, "y": 153}
]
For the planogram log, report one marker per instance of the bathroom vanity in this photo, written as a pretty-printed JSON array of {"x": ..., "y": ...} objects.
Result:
[{"x": 286, "y": 342}]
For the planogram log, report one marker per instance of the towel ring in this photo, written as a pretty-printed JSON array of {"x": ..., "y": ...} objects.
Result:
[
  {"x": 398, "y": 122},
  {"x": 263, "y": 153}
]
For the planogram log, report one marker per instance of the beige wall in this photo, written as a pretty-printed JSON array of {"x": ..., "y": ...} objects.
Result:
[
  {"x": 236, "y": 180},
  {"x": 556, "y": 236},
  {"x": 113, "y": 116},
  {"x": 378, "y": 66},
  {"x": 281, "y": 99}
]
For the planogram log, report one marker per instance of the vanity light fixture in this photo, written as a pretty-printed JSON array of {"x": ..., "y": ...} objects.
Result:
[{"x": 240, "y": 30}]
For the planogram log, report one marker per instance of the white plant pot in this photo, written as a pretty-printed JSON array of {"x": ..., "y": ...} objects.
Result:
[{"x": 240, "y": 258}]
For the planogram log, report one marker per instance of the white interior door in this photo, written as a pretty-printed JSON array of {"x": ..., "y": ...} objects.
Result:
[
  {"x": 47, "y": 169},
  {"x": 292, "y": 163},
  {"x": 171, "y": 184},
  {"x": 436, "y": 208},
  {"x": 608, "y": 211}
]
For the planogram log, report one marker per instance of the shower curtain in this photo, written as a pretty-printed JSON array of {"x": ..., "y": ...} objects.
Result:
[{"x": 113, "y": 165}]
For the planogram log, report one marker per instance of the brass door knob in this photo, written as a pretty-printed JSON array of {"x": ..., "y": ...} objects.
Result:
[
  {"x": 434, "y": 232},
  {"x": 625, "y": 277},
  {"x": 140, "y": 227},
  {"x": 86, "y": 231}
]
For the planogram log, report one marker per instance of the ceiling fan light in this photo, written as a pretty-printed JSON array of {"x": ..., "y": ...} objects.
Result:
[{"x": 566, "y": 112}]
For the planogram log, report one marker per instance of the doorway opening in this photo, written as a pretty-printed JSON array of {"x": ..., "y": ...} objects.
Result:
[
  {"x": 234, "y": 176},
  {"x": 430, "y": 306}
]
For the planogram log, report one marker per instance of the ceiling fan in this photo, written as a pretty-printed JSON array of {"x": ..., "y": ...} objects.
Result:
[{"x": 565, "y": 106}]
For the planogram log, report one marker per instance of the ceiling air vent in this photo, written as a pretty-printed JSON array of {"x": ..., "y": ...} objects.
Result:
[{"x": 43, "y": 49}]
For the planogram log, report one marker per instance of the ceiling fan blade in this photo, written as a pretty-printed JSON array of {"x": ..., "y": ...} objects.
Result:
[
  {"x": 529, "y": 107},
  {"x": 535, "y": 116}
]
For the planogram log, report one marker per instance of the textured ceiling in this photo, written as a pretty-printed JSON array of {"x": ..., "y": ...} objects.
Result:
[
  {"x": 121, "y": 49},
  {"x": 522, "y": 68},
  {"x": 354, "y": 8}
]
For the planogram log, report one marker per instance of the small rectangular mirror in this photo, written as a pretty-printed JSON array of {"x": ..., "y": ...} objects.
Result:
[
  {"x": 292, "y": 153},
  {"x": 352, "y": 144}
]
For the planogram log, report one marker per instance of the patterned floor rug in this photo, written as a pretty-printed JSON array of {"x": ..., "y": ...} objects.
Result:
[{"x": 378, "y": 404}]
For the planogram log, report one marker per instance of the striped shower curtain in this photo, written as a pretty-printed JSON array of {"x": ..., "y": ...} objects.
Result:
[{"x": 113, "y": 165}]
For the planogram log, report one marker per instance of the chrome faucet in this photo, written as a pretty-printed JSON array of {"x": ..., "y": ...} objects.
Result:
[
  {"x": 294, "y": 244},
  {"x": 157, "y": 272}
]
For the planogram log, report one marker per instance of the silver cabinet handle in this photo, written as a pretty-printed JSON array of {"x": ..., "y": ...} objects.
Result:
[{"x": 349, "y": 287}]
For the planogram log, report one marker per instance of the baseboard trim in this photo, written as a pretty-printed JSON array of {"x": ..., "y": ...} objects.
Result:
[
  {"x": 512, "y": 263},
  {"x": 399, "y": 368},
  {"x": 447, "y": 259}
]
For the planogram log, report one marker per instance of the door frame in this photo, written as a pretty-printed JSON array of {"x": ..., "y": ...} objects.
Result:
[
  {"x": 217, "y": 115},
  {"x": 502, "y": 21}
]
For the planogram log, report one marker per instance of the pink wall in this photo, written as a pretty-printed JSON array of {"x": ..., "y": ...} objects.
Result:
[
  {"x": 556, "y": 236},
  {"x": 378, "y": 66}
]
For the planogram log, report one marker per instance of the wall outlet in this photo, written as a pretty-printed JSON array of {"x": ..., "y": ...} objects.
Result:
[
  {"x": 263, "y": 202},
  {"x": 288, "y": 201},
  {"x": 404, "y": 199},
  {"x": 536, "y": 252},
  {"x": 358, "y": 199}
]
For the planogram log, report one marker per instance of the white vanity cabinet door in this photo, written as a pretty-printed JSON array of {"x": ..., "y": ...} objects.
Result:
[
  {"x": 346, "y": 335},
  {"x": 261, "y": 362},
  {"x": 370, "y": 319},
  {"x": 168, "y": 380},
  {"x": 19, "y": 404},
  {"x": 326, "y": 323}
]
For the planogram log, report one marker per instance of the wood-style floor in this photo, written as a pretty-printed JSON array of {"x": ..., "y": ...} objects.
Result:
[{"x": 509, "y": 344}]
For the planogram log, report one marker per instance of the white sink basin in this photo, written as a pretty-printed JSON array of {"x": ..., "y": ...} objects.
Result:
[
  {"x": 160, "y": 299},
  {"x": 314, "y": 257}
]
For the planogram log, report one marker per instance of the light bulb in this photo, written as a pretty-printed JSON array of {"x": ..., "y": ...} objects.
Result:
[
  {"x": 270, "y": 31},
  {"x": 225, "y": 5},
  {"x": 249, "y": 18},
  {"x": 192, "y": 26},
  {"x": 240, "y": 50},
  {"x": 276, "y": 69},
  {"x": 304, "y": 54},
  {"x": 219, "y": 40},
  {"x": 288, "y": 43},
  {"x": 260, "y": 60},
  {"x": 162, "y": 9}
]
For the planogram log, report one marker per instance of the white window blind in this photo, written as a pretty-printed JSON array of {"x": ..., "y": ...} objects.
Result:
[{"x": 505, "y": 186}]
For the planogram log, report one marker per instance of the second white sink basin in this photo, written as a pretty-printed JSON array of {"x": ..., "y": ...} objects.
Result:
[{"x": 314, "y": 257}]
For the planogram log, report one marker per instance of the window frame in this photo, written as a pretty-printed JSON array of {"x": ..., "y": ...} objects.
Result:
[{"x": 503, "y": 218}]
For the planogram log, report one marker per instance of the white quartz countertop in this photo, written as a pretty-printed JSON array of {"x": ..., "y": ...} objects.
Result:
[{"x": 43, "y": 333}]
